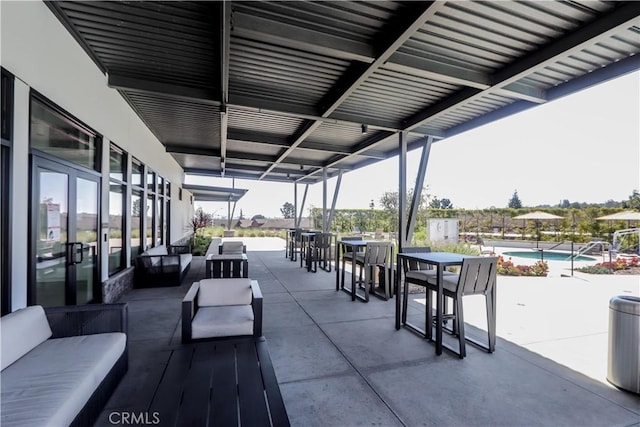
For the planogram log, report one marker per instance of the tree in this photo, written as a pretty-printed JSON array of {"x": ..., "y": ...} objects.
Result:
[
  {"x": 515, "y": 202},
  {"x": 258, "y": 216},
  {"x": 241, "y": 215},
  {"x": 200, "y": 220},
  {"x": 633, "y": 202},
  {"x": 288, "y": 210},
  {"x": 440, "y": 203}
]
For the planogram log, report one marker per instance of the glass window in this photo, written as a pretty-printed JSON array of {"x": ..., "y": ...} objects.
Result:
[
  {"x": 58, "y": 135},
  {"x": 136, "y": 173},
  {"x": 136, "y": 224},
  {"x": 116, "y": 227},
  {"x": 5, "y": 298},
  {"x": 151, "y": 182},
  {"x": 160, "y": 185},
  {"x": 6, "y": 115},
  {"x": 117, "y": 164},
  {"x": 149, "y": 208},
  {"x": 167, "y": 214},
  {"x": 159, "y": 221},
  {"x": 167, "y": 188}
]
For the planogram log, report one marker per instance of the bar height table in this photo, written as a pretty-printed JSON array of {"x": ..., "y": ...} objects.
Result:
[{"x": 440, "y": 260}]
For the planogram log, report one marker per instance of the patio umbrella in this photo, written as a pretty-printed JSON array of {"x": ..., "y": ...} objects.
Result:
[
  {"x": 537, "y": 216},
  {"x": 621, "y": 216}
]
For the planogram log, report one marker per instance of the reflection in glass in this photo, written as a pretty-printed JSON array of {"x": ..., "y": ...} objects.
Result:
[
  {"x": 52, "y": 133},
  {"x": 151, "y": 182},
  {"x": 149, "y": 222},
  {"x": 117, "y": 165},
  {"x": 136, "y": 173},
  {"x": 51, "y": 271},
  {"x": 116, "y": 227},
  {"x": 136, "y": 210},
  {"x": 159, "y": 221},
  {"x": 87, "y": 234}
]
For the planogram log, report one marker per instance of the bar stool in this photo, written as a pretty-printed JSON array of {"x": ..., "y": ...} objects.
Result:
[{"x": 375, "y": 255}]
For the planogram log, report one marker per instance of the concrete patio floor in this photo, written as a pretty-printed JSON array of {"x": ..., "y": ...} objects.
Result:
[{"x": 342, "y": 363}]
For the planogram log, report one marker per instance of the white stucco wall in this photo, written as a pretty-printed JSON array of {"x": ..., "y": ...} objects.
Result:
[{"x": 42, "y": 55}]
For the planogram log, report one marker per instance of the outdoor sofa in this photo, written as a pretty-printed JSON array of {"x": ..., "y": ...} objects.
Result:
[
  {"x": 60, "y": 365},
  {"x": 162, "y": 266}
]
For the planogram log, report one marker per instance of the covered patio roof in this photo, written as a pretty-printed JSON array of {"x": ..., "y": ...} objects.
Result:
[
  {"x": 283, "y": 91},
  {"x": 204, "y": 193}
]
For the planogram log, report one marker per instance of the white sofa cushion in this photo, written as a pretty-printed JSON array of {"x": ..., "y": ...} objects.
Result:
[
  {"x": 158, "y": 250},
  {"x": 51, "y": 384},
  {"x": 230, "y": 320},
  {"x": 21, "y": 331},
  {"x": 219, "y": 292}
]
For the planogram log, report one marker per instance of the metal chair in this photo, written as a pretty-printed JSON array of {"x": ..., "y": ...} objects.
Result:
[
  {"x": 376, "y": 254},
  {"x": 417, "y": 273},
  {"x": 477, "y": 277},
  {"x": 347, "y": 255}
]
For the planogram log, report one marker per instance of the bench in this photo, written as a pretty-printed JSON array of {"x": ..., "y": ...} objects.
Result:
[
  {"x": 60, "y": 365},
  {"x": 231, "y": 382},
  {"x": 162, "y": 266}
]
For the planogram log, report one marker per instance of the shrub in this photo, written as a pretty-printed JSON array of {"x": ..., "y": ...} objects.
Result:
[
  {"x": 508, "y": 268},
  {"x": 609, "y": 267}
]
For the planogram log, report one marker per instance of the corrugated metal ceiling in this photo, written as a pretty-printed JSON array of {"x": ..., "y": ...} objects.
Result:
[{"x": 279, "y": 90}]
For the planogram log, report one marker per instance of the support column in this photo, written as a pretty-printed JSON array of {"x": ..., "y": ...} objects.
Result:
[
  {"x": 415, "y": 202},
  {"x": 296, "y": 224},
  {"x": 335, "y": 199},
  {"x": 304, "y": 199},
  {"x": 324, "y": 200},
  {"x": 402, "y": 190}
]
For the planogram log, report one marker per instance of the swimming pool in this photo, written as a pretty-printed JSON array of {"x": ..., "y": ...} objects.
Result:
[{"x": 548, "y": 255}]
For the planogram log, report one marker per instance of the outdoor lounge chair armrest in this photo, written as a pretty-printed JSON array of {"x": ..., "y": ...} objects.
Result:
[
  {"x": 256, "y": 305},
  {"x": 189, "y": 308},
  {"x": 76, "y": 320}
]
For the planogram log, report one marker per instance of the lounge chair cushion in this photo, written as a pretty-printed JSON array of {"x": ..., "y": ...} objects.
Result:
[
  {"x": 51, "y": 384},
  {"x": 222, "y": 292},
  {"x": 230, "y": 320},
  {"x": 424, "y": 275},
  {"x": 21, "y": 331},
  {"x": 232, "y": 247}
]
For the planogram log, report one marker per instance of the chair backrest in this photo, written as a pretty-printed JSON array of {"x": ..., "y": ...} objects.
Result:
[
  {"x": 378, "y": 253},
  {"x": 412, "y": 264},
  {"x": 232, "y": 247},
  {"x": 350, "y": 238},
  {"x": 477, "y": 275}
]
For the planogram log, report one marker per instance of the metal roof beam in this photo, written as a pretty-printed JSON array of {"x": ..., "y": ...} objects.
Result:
[
  {"x": 225, "y": 48},
  {"x": 240, "y": 175},
  {"x": 614, "y": 70},
  {"x": 362, "y": 147},
  {"x": 291, "y": 36},
  {"x": 282, "y": 34},
  {"x": 265, "y": 139},
  {"x": 238, "y": 155},
  {"x": 133, "y": 84},
  {"x": 404, "y": 26},
  {"x": 603, "y": 28}
]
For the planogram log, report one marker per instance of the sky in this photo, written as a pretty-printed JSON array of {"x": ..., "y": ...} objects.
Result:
[{"x": 584, "y": 148}]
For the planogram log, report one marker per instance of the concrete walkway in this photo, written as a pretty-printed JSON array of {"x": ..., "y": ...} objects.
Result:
[{"x": 342, "y": 363}]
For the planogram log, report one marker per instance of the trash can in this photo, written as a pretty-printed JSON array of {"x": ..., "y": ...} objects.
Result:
[{"x": 623, "y": 369}]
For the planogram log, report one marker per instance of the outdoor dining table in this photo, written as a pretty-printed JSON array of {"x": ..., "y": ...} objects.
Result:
[
  {"x": 355, "y": 246},
  {"x": 440, "y": 260}
]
